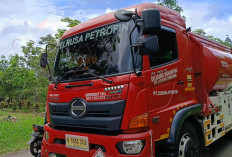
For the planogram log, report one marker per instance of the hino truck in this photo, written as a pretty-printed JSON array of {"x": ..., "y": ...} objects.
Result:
[{"x": 136, "y": 82}]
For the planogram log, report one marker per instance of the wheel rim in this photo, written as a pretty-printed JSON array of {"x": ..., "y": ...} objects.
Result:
[
  {"x": 36, "y": 148},
  {"x": 187, "y": 147}
]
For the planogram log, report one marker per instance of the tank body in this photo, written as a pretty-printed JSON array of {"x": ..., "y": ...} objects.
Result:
[{"x": 217, "y": 69}]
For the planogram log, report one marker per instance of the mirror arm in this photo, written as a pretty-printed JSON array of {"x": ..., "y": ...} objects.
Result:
[
  {"x": 50, "y": 74},
  {"x": 132, "y": 46},
  {"x": 138, "y": 73}
]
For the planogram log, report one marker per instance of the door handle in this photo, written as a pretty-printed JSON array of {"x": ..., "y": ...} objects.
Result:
[{"x": 180, "y": 82}]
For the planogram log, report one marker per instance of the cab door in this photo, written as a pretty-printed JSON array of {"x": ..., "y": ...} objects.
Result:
[{"x": 168, "y": 78}]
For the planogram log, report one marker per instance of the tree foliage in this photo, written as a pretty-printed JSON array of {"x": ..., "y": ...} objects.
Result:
[
  {"x": 172, "y": 4},
  {"x": 23, "y": 83},
  {"x": 201, "y": 32},
  {"x": 71, "y": 23}
]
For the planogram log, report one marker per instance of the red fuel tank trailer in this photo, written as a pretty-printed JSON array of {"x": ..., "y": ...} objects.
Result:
[{"x": 136, "y": 82}]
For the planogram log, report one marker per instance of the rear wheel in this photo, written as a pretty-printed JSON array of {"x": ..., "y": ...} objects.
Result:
[{"x": 187, "y": 144}]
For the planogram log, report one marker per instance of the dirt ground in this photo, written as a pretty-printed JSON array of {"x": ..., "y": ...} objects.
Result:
[{"x": 21, "y": 153}]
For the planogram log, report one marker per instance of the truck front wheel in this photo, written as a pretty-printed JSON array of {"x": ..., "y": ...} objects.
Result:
[{"x": 187, "y": 143}]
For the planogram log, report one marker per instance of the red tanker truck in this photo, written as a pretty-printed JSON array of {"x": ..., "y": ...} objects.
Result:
[{"x": 136, "y": 82}]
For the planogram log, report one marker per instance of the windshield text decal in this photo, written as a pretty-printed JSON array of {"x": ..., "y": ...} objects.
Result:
[{"x": 97, "y": 33}]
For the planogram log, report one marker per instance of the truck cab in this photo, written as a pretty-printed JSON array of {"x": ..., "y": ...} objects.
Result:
[{"x": 125, "y": 88}]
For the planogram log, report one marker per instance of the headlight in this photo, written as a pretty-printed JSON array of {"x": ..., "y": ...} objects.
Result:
[
  {"x": 46, "y": 135},
  {"x": 131, "y": 147}
]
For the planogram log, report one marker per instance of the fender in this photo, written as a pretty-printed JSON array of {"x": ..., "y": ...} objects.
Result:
[{"x": 179, "y": 119}]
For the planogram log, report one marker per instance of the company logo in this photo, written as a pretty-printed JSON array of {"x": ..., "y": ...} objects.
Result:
[{"x": 77, "y": 108}]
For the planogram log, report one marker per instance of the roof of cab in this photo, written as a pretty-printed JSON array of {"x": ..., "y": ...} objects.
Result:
[{"x": 166, "y": 14}]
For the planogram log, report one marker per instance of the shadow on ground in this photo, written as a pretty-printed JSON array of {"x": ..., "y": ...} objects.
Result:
[{"x": 222, "y": 147}]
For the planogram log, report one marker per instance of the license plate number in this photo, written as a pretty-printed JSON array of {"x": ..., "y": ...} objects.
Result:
[{"x": 77, "y": 142}]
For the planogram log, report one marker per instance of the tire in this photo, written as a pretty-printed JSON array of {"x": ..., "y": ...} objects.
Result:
[
  {"x": 187, "y": 144},
  {"x": 35, "y": 148}
]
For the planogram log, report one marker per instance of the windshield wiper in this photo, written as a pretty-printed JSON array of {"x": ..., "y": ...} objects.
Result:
[
  {"x": 100, "y": 77},
  {"x": 68, "y": 72},
  {"x": 86, "y": 72}
]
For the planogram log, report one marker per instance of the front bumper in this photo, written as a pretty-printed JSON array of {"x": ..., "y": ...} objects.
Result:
[{"x": 108, "y": 142}]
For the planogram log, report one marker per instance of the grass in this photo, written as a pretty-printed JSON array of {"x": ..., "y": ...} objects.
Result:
[{"x": 14, "y": 135}]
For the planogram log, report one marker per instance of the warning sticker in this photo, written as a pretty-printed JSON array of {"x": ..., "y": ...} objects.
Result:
[{"x": 99, "y": 153}]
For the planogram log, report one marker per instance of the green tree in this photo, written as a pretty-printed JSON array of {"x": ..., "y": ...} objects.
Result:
[
  {"x": 172, "y": 4},
  {"x": 201, "y": 32},
  {"x": 4, "y": 64},
  {"x": 21, "y": 77},
  {"x": 13, "y": 78},
  {"x": 71, "y": 22}
]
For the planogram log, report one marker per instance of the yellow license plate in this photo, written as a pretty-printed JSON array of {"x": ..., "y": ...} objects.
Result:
[{"x": 77, "y": 142}]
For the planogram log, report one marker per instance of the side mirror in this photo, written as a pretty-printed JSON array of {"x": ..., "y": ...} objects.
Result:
[
  {"x": 43, "y": 60},
  {"x": 123, "y": 15},
  {"x": 148, "y": 45},
  {"x": 151, "y": 21}
]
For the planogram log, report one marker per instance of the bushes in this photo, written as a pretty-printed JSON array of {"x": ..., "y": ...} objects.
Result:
[
  {"x": 24, "y": 105},
  {"x": 3, "y": 104}
]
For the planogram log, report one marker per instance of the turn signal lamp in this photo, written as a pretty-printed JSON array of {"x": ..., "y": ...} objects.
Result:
[{"x": 139, "y": 121}]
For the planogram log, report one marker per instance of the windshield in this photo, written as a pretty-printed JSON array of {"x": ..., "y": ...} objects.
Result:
[{"x": 105, "y": 50}]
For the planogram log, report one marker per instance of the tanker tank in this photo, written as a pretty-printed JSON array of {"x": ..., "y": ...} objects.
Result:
[{"x": 217, "y": 69}]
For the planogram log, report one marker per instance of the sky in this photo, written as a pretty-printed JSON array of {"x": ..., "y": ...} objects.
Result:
[{"x": 24, "y": 20}]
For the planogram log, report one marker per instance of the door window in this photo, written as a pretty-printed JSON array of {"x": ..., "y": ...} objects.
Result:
[{"x": 168, "y": 51}]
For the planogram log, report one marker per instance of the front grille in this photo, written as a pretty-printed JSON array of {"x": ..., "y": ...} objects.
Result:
[
  {"x": 100, "y": 117},
  {"x": 98, "y": 114}
]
